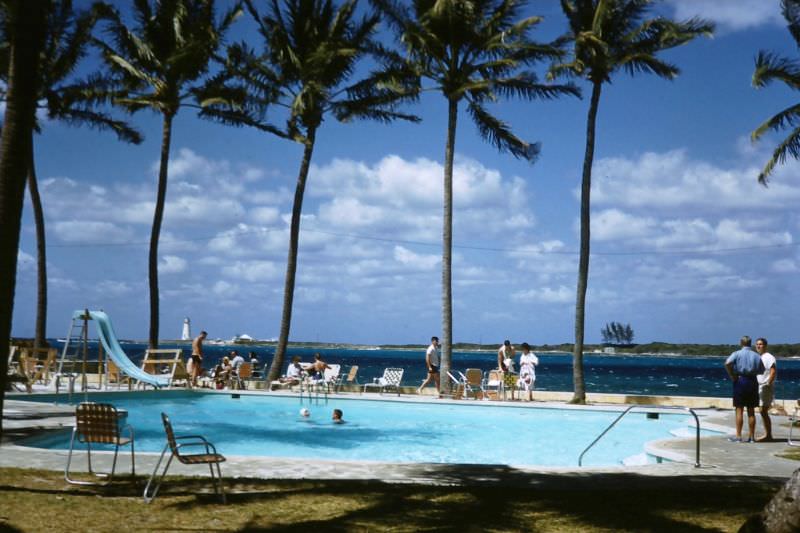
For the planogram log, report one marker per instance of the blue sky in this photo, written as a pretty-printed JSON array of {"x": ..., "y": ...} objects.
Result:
[{"x": 687, "y": 247}]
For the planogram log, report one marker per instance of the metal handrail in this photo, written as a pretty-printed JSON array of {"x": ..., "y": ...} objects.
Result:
[{"x": 631, "y": 408}]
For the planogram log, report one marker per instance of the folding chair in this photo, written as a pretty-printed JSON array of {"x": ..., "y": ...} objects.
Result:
[
  {"x": 98, "y": 423},
  {"x": 208, "y": 456},
  {"x": 350, "y": 379}
]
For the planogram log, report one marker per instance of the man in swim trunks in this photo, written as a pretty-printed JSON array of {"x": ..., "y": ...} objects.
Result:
[
  {"x": 766, "y": 387},
  {"x": 197, "y": 356},
  {"x": 432, "y": 362},
  {"x": 743, "y": 366}
]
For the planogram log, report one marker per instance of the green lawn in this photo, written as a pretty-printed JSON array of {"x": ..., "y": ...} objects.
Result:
[{"x": 35, "y": 500}]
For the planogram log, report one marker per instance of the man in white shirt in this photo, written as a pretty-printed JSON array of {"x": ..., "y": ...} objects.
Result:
[
  {"x": 766, "y": 387},
  {"x": 432, "y": 362},
  {"x": 236, "y": 360}
]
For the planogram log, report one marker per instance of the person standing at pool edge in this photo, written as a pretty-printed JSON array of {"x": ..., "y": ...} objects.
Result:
[
  {"x": 197, "y": 356},
  {"x": 743, "y": 366},
  {"x": 432, "y": 362},
  {"x": 766, "y": 386}
]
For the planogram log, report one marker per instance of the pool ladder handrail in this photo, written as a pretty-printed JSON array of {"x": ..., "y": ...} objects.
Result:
[{"x": 651, "y": 408}]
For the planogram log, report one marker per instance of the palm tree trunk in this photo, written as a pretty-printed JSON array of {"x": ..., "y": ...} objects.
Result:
[
  {"x": 291, "y": 262},
  {"x": 158, "y": 216},
  {"x": 782, "y": 512},
  {"x": 41, "y": 255},
  {"x": 447, "y": 246},
  {"x": 579, "y": 394},
  {"x": 25, "y": 21}
]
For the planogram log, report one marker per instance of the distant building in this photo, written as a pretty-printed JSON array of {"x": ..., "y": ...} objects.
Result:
[
  {"x": 609, "y": 349},
  {"x": 187, "y": 330}
]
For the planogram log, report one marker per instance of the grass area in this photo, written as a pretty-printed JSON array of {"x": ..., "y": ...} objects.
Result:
[{"x": 36, "y": 500}]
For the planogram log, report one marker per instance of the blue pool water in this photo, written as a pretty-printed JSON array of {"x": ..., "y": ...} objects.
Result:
[
  {"x": 468, "y": 432},
  {"x": 618, "y": 374}
]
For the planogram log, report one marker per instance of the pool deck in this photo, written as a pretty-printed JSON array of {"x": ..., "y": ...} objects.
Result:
[{"x": 718, "y": 456}]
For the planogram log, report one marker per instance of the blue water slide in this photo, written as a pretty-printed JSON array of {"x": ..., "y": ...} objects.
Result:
[{"x": 117, "y": 354}]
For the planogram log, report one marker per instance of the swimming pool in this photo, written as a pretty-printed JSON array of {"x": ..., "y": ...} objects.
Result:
[{"x": 386, "y": 431}]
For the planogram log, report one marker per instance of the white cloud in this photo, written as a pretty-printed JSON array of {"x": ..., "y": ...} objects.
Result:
[
  {"x": 253, "y": 271},
  {"x": 731, "y": 14},
  {"x": 786, "y": 266},
  {"x": 91, "y": 232},
  {"x": 559, "y": 295},
  {"x": 264, "y": 215},
  {"x": 224, "y": 289},
  {"x": 113, "y": 288},
  {"x": 613, "y": 224},
  {"x": 171, "y": 264},
  {"x": 25, "y": 261},
  {"x": 706, "y": 266},
  {"x": 673, "y": 181},
  {"x": 423, "y": 262}
]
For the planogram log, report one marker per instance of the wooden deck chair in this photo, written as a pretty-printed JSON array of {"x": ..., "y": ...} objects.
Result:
[
  {"x": 473, "y": 380},
  {"x": 240, "y": 377},
  {"x": 115, "y": 375},
  {"x": 99, "y": 423},
  {"x": 169, "y": 359},
  {"x": 391, "y": 379},
  {"x": 38, "y": 364},
  {"x": 206, "y": 456},
  {"x": 350, "y": 379}
]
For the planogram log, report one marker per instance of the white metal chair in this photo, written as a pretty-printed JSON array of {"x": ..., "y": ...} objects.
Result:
[
  {"x": 207, "y": 456},
  {"x": 391, "y": 379},
  {"x": 98, "y": 423},
  {"x": 794, "y": 419}
]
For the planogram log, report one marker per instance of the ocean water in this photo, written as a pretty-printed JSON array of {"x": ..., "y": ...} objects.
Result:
[{"x": 639, "y": 374}]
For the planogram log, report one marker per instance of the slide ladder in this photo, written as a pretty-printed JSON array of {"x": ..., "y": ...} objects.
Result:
[{"x": 111, "y": 345}]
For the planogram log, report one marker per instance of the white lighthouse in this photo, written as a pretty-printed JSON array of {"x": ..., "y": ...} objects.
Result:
[{"x": 187, "y": 330}]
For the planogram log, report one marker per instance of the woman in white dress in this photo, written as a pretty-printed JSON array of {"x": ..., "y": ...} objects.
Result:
[{"x": 527, "y": 370}]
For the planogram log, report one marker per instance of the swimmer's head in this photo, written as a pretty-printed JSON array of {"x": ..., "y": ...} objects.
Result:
[{"x": 305, "y": 412}]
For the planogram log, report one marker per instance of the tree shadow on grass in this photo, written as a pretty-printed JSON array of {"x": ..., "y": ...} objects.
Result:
[{"x": 509, "y": 500}]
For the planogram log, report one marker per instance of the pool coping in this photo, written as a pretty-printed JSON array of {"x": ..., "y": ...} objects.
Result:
[{"x": 718, "y": 456}]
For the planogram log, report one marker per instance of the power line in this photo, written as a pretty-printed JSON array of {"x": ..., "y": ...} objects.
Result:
[{"x": 494, "y": 249}]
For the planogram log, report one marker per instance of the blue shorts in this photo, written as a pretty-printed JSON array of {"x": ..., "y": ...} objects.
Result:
[{"x": 745, "y": 391}]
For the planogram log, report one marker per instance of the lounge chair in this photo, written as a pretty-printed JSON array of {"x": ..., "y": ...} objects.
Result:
[
  {"x": 458, "y": 386},
  {"x": 208, "y": 456},
  {"x": 391, "y": 379},
  {"x": 98, "y": 423},
  {"x": 494, "y": 386},
  {"x": 350, "y": 379}
]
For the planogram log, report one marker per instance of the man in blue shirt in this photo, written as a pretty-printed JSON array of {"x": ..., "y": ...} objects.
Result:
[{"x": 743, "y": 367}]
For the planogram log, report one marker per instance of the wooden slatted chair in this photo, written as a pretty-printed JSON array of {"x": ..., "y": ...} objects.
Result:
[
  {"x": 208, "y": 456},
  {"x": 99, "y": 423}
]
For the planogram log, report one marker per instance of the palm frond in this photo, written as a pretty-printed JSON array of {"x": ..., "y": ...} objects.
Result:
[
  {"x": 499, "y": 134},
  {"x": 101, "y": 121},
  {"x": 790, "y": 146},
  {"x": 770, "y": 67}
]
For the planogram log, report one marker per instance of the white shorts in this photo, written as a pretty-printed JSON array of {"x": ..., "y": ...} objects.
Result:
[{"x": 766, "y": 393}]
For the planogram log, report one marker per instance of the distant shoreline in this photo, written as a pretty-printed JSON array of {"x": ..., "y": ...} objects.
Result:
[{"x": 660, "y": 349}]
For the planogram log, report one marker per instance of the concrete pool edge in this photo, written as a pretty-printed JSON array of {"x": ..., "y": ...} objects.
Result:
[{"x": 718, "y": 457}]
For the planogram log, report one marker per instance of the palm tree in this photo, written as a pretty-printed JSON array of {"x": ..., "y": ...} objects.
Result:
[
  {"x": 161, "y": 65},
  {"x": 311, "y": 49},
  {"x": 471, "y": 50},
  {"x": 609, "y": 36},
  {"x": 68, "y": 35},
  {"x": 770, "y": 67},
  {"x": 25, "y": 21}
]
